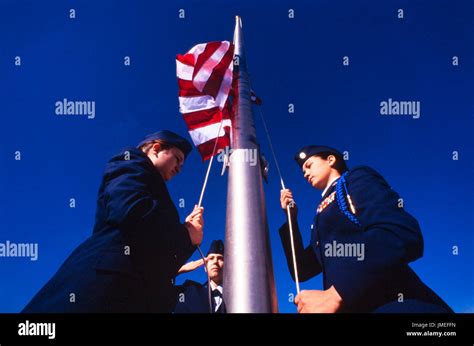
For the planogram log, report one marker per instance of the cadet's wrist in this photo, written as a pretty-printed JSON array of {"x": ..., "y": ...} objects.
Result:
[{"x": 335, "y": 295}]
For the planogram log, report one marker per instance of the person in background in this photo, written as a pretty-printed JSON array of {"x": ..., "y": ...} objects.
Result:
[{"x": 193, "y": 297}]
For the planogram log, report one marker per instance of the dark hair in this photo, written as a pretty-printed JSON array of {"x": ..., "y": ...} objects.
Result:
[
  {"x": 145, "y": 147},
  {"x": 339, "y": 165}
]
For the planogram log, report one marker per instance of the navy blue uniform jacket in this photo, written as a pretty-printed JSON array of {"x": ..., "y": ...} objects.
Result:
[
  {"x": 391, "y": 238},
  {"x": 193, "y": 297},
  {"x": 137, "y": 246}
]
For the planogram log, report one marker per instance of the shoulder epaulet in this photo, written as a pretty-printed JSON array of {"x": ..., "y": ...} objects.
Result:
[
  {"x": 189, "y": 283},
  {"x": 361, "y": 169}
]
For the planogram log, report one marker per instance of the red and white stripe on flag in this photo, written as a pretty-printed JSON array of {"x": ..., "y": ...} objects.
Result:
[{"x": 205, "y": 80}]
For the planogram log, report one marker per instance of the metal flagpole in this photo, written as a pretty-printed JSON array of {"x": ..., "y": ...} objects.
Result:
[{"x": 249, "y": 284}]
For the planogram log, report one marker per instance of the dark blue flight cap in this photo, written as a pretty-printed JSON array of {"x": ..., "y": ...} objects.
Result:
[
  {"x": 217, "y": 246},
  {"x": 306, "y": 152},
  {"x": 170, "y": 138}
]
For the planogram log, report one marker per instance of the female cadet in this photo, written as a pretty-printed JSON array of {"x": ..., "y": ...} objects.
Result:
[
  {"x": 138, "y": 244},
  {"x": 361, "y": 241}
]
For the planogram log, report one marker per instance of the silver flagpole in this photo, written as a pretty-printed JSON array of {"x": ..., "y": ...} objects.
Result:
[{"x": 249, "y": 284}]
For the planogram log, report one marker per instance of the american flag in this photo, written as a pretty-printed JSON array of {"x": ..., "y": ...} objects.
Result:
[{"x": 205, "y": 80}]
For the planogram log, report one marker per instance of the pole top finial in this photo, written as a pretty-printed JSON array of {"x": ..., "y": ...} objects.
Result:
[{"x": 238, "y": 21}]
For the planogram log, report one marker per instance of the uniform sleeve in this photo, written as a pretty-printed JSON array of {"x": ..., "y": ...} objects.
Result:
[
  {"x": 146, "y": 220},
  {"x": 306, "y": 261},
  {"x": 390, "y": 235}
]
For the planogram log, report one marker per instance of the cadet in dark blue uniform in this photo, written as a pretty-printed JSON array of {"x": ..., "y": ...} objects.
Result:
[
  {"x": 361, "y": 241},
  {"x": 193, "y": 297},
  {"x": 138, "y": 243}
]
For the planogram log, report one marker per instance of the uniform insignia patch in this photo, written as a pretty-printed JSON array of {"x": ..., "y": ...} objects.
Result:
[{"x": 328, "y": 200}]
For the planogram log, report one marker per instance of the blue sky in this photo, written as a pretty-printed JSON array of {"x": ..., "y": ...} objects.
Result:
[{"x": 297, "y": 61}]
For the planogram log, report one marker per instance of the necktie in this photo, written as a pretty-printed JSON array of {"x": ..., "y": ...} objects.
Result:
[{"x": 217, "y": 294}]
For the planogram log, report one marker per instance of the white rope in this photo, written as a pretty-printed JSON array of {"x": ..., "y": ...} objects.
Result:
[
  {"x": 208, "y": 279},
  {"x": 295, "y": 268},
  {"x": 291, "y": 205},
  {"x": 210, "y": 165},
  {"x": 199, "y": 205}
]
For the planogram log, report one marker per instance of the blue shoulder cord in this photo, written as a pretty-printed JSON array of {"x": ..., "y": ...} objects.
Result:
[{"x": 341, "y": 200}]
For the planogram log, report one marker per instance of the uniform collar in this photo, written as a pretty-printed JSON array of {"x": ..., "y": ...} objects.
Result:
[
  {"x": 328, "y": 186},
  {"x": 215, "y": 286}
]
